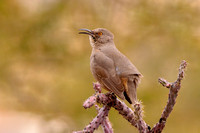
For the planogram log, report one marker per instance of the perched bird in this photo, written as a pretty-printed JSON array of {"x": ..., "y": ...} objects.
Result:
[{"x": 113, "y": 70}]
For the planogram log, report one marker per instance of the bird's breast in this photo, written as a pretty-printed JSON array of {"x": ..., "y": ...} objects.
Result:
[{"x": 94, "y": 59}]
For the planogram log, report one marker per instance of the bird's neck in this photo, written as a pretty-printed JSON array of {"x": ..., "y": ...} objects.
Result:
[{"x": 97, "y": 45}]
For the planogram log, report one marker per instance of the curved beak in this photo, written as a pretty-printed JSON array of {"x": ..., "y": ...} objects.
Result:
[{"x": 86, "y": 31}]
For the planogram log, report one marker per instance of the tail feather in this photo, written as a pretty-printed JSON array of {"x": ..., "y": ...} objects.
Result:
[
  {"x": 127, "y": 97},
  {"x": 132, "y": 89}
]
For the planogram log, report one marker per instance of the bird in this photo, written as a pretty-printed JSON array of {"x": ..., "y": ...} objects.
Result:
[{"x": 112, "y": 69}]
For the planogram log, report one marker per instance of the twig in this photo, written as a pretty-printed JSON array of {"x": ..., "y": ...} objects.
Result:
[
  {"x": 106, "y": 125},
  {"x": 138, "y": 111},
  {"x": 103, "y": 112},
  {"x": 173, "y": 93}
]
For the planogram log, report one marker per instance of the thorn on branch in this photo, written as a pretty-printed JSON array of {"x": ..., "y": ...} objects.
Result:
[{"x": 138, "y": 110}]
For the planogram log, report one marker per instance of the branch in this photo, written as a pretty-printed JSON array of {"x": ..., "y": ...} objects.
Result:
[
  {"x": 173, "y": 93},
  {"x": 103, "y": 112},
  {"x": 134, "y": 116},
  {"x": 106, "y": 125},
  {"x": 102, "y": 117}
]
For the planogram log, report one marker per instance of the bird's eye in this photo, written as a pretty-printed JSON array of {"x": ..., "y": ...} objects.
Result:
[{"x": 100, "y": 33}]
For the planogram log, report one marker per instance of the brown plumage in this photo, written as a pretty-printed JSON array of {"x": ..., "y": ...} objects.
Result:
[{"x": 110, "y": 67}]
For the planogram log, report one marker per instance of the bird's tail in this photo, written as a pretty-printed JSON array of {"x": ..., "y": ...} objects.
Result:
[{"x": 131, "y": 93}]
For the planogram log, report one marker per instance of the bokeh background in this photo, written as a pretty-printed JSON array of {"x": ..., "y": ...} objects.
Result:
[{"x": 44, "y": 63}]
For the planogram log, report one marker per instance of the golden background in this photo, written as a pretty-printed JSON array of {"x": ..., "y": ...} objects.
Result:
[{"x": 44, "y": 62}]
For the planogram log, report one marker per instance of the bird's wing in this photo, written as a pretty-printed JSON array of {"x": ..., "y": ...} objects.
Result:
[
  {"x": 104, "y": 70},
  {"x": 124, "y": 67},
  {"x": 126, "y": 70}
]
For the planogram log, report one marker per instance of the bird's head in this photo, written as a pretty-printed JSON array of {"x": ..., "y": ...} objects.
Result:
[{"x": 99, "y": 36}]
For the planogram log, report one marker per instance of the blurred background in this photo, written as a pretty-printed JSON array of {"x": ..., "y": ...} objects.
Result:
[{"x": 44, "y": 63}]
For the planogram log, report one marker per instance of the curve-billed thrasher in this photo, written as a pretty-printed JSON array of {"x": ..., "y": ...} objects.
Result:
[{"x": 110, "y": 67}]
